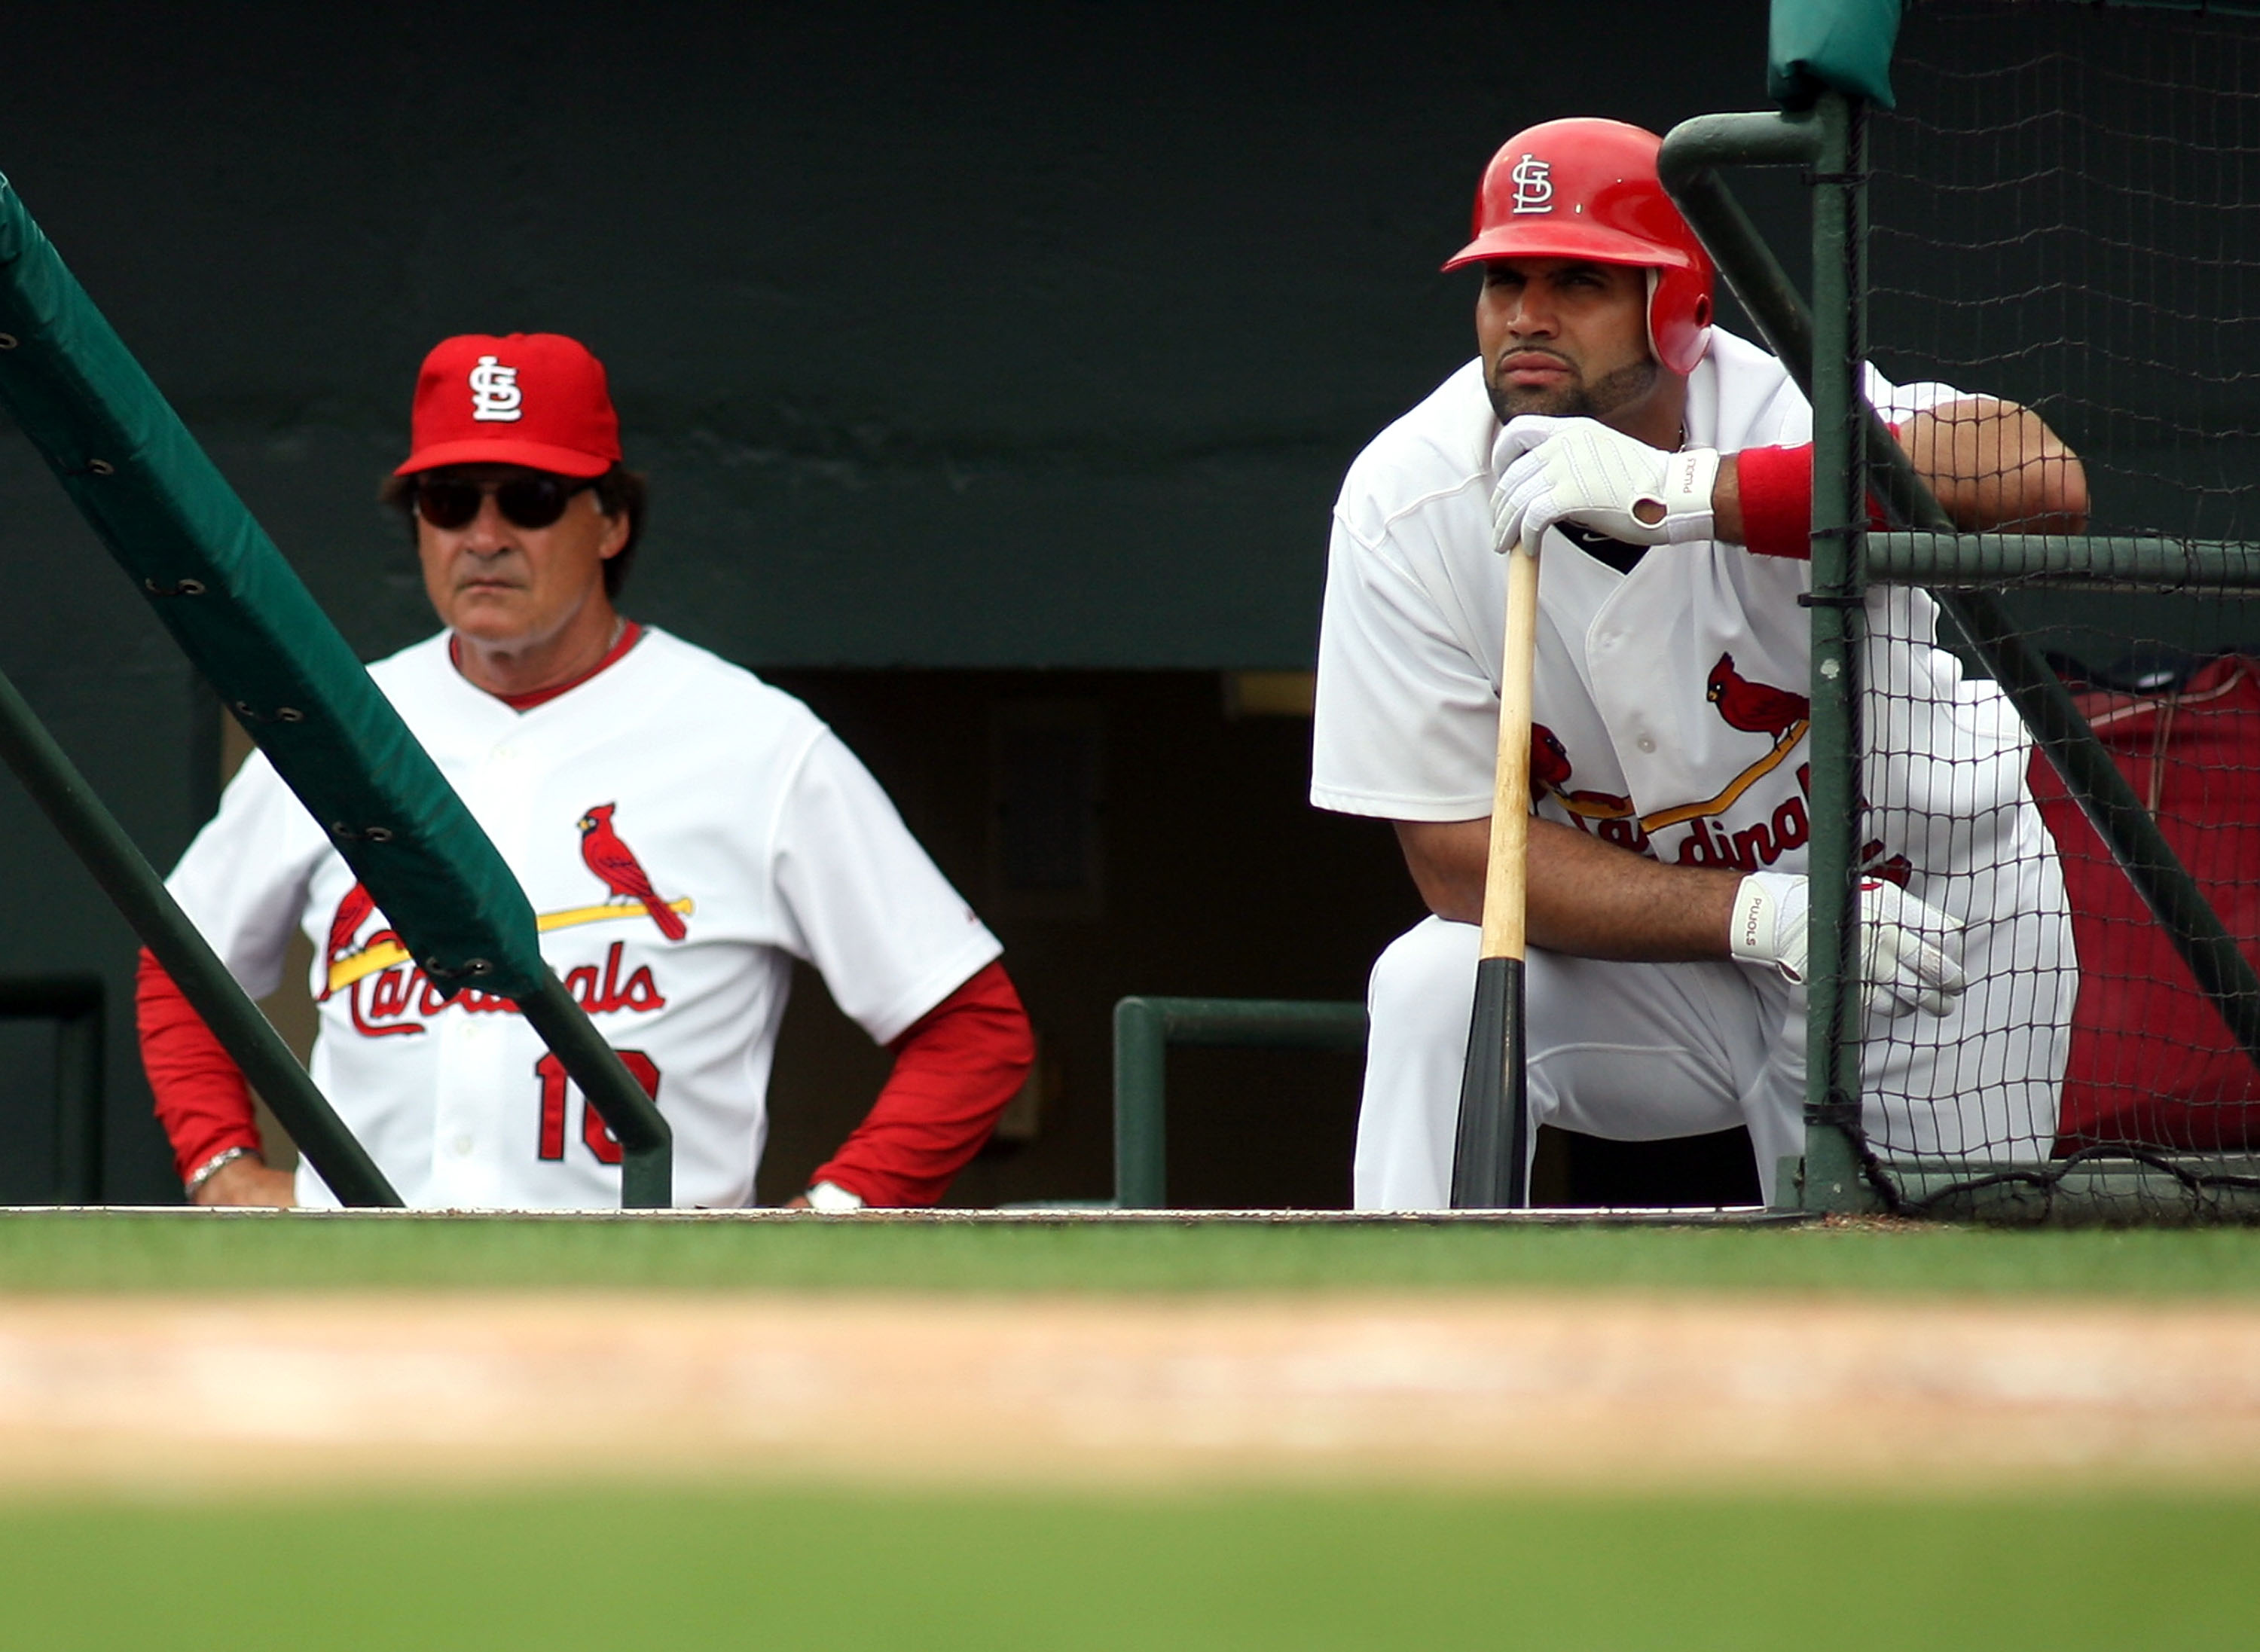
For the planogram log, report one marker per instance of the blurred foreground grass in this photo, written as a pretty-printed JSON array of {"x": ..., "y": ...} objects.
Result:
[
  {"x": 124, "y": 1251},
  {"x": 575, "y": 1569}
]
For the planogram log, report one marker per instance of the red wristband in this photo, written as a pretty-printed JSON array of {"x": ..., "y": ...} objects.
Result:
[
  {"x": 1776, "y": 488},
  {"x": 1776, "y": 485}
]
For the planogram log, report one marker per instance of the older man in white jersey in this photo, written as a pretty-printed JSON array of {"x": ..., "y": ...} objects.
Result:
[{"x": 683, "y": 830}]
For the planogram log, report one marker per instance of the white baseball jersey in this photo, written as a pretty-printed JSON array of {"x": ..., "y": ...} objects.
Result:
[
  {"x": 685, "y": 832},
  {"x": 1670, "y": 703}
]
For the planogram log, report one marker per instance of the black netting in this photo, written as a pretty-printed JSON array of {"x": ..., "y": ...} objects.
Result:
[
  {"x": 2067, "y": 202},
  {"x": 2065, "y": 210}
]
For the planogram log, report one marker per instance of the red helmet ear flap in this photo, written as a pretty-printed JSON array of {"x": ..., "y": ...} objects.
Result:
[{"x": 1679, "y": 314}]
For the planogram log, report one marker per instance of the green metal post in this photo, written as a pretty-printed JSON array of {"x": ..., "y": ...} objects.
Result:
[
  {"x": 1832, "y": 1068},
  {"x": 1142, "y": 1054},
  {"x": 96, "y": 837},
  {"x": 646, "y": 1141},
  {"x": 1692, "y": 151},
  {"x": 2114, "y": 563},
  {"x": 1935, "y": 555}
]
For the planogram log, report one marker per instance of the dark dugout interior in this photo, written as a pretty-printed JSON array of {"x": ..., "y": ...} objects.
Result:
[{"x": 995, "y": 367}]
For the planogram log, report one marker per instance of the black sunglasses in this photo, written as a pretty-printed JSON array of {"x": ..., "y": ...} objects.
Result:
[{"x": 534, "y": 500}]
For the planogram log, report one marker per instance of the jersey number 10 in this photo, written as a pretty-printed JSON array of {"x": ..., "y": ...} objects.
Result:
[{"x": 600, "y": 1141}]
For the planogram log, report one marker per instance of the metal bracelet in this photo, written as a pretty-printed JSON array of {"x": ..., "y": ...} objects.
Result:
[{"x": 213, "y": 1166}]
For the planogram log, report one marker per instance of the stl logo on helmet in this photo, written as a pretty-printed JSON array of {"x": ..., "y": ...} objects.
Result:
[
  {"x": 495, "y": 395},
  {"x": 1534, "y": 184}
]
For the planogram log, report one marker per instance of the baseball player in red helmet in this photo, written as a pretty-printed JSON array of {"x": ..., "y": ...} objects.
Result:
[
  {"x": 1664, "y": 462},
  {"x": 684, "y": 831}
]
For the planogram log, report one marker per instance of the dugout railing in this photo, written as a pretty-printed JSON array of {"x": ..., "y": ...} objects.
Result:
[
  {"x": 1146, "y": 1027},
  {"x": 253, "y": 631},
  {"x": 1828, "y": 58}
]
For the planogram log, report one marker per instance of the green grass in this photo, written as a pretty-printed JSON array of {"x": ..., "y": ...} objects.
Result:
[
  {"x": 125, "y": 1252},
  {"x": 908, "y": 1573},
  {"x": 1849, "y": 1568}
]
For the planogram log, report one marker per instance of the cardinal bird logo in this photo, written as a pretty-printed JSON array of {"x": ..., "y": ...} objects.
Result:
[
  {"x": 353, "y": 912},
  {"x": 1549, "y": 761},
  {"x": 1549, "y": 777},
  {"x": 1756, "y": 708},
  {"x": 612, "y": 861}
]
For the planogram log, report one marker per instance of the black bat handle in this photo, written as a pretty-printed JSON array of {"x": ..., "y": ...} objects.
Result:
[{"x": 1491, "y": 1155}]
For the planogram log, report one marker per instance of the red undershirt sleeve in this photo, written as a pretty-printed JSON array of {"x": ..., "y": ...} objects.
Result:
[
  {"x": 202, "y": 1098},
  {"x": 953, "y": 1072}
]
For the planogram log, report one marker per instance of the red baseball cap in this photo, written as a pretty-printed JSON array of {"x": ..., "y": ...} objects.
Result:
[{"x": 537, "y": 399}]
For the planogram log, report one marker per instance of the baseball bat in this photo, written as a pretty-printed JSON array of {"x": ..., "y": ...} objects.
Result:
[{"x": 1491, "y": 1155}]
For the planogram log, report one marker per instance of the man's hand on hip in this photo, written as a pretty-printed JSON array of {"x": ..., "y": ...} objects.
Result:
[{"x": 1579, "y": 470}]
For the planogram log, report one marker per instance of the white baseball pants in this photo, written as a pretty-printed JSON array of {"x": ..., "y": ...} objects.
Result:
[
  {"x": 1634, "y": 1051},
  {"x": 1637, "y": 1052}
]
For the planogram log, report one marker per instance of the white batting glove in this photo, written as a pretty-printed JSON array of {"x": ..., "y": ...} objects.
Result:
[
  {"x": 1908, "y": 953},
  {"x": 1579, "y": 470}
]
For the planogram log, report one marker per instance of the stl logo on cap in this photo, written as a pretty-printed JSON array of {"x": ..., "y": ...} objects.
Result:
[
  {"x": 495, "y": 395},
  {"x": 537, "y": 399},
  {"x": 1533, "y": 185}
]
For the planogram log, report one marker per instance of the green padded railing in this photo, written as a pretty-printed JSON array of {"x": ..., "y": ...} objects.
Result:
[
  {"x": 133, "y": 887},
  {"x": 249, "y": 626},
  {"x": 1144, "y": 1029}
]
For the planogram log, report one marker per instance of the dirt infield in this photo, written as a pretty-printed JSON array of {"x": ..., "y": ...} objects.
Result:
[{"x": 1452, "y": 1389}]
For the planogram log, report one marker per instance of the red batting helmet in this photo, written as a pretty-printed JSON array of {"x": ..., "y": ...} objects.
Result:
[{"x": 1587, "y": 189}]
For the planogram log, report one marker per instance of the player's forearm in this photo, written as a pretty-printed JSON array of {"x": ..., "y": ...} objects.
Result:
[
  {"x": 1995, "y": 465},
  {"x": 1991, "y": 464},
  {"x": 1587, "y": 897},
  {"x": 1594, "y": 900}
]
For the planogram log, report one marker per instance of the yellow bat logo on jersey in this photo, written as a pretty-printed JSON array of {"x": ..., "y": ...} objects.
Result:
[{"x": 386, "y": 950}]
